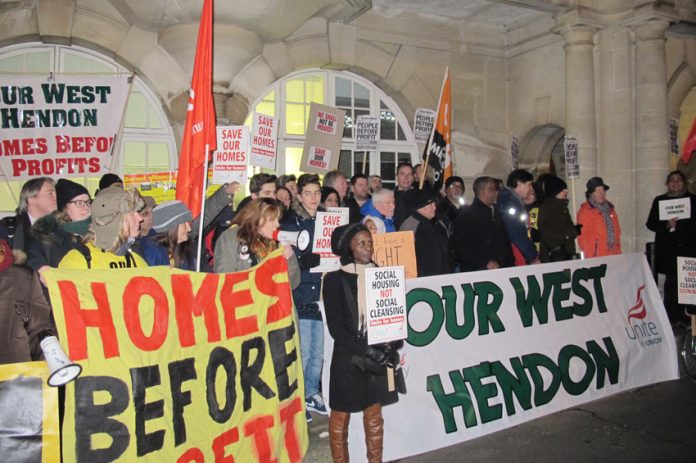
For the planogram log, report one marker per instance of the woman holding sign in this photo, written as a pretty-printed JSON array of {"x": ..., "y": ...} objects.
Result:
[{"x": 358, "y": 380}]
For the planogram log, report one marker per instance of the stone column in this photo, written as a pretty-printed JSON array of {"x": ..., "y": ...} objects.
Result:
[
  {"x": 580, "y": 100},
  {"x": 652, "y": 130}
]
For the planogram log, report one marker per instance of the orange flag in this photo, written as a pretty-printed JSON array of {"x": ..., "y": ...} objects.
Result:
[
  {"x": 199, "y": 130},
  {"x": 689, "y": 145},
  {"x": 438, "y": 151}
]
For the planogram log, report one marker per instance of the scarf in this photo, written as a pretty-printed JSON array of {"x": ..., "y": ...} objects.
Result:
[
  {"x": 6, "y": 256},
  {"x": 605, "y": 209},
  {"x": 80, "y": 227},
  {"x": 359, "y": 270}
]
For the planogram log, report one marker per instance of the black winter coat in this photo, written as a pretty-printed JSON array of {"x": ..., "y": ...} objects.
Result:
[
  {"x": 669, "y": 245},
  {"x": 350, "y": 388},
  {"x": 50, "y": 243},
  {"x": 432, "y": 245}
]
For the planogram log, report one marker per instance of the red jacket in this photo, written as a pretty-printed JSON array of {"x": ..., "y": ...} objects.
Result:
[{"x": 593, "y": 235}]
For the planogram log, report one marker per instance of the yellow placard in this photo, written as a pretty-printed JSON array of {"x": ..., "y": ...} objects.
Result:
[
  {"x": 394, "y": 249},
  {"x": 29, "y": 409},
  {"x": 181, "y": 366}
]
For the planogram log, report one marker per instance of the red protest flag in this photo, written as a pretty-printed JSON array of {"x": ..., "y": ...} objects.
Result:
[
  {"x": 689, "y": 144},
  {"x": 438, "y": 154},
  {"x": 199, "y": 130}
]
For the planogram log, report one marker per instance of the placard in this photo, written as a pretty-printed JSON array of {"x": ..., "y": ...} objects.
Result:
[
  {"x": 264, "y": 141},
  {"x": 367, "y": 133},
  {"x": 323, "y": 139},
  {"x": 160, "y": 185},
  {"x": 423, "y": 124},
  {"x": 324, "y": 226},
  {"x": 572, "y": 163},
  {"x": 686, "y": 280},
  {"x": 230, "y": 160},
  {"x": 396, "y": 248},
  {"x": 385, "y": 308},
  {"x": 678, "y": 208}
]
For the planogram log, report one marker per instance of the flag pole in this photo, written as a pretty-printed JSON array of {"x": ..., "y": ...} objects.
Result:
[
  {"x": 200, "y": 217},
  {"x": 432, "y": 132}
]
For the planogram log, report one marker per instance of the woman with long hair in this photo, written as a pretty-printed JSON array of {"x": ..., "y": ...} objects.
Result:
[
  {"x": 171, "y": 221},
  {"x": 250, "y": 239}
]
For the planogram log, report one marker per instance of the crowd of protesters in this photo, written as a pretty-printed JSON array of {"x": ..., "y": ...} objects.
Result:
[{"x": 521, "y": 221}]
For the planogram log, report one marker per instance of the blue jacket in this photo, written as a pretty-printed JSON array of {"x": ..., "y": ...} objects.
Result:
[
  {"x": 153, "y": 252},
  {"x": 309, "y": 290},
  {"x": 515, "y": 217},
  {"x": 369, "y": 209}
]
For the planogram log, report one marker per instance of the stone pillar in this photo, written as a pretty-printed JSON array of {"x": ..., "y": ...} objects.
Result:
[
  {"x": 652, "y": 130},
  {"x": 580, "y": 101}
]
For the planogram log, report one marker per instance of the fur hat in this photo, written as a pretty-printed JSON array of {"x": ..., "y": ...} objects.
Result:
[
  {"x": 150, "y": 202},
  {"x": 66, "y": 191},
  {"x": 108, "y": 209},
  {"x": 341, "y": 238},
  {"x": 170, "y": 214}
]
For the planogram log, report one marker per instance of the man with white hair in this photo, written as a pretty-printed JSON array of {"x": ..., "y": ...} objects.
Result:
[
  {"x": 382, "y": 206},
  {"x": 36, "y": 200}
]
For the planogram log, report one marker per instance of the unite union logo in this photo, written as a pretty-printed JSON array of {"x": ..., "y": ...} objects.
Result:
[{"x": 638, "y": 328}]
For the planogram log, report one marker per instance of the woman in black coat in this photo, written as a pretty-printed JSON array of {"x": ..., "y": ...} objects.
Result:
[{"x": 358, "y": 378}]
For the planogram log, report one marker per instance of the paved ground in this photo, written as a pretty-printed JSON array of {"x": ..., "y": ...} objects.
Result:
[{"x": 652, "y": 424}]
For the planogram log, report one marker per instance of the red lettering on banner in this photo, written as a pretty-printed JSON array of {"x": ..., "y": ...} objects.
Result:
[
  {"x": 258, "y": 429},
  {"x": 135, "y": 290},
  {"x": 186, "y": 306},
  {"x": 292, "y": 443},
  {"x": 232, "y": 300},
  {"x": 192, "y": 455},
  {"x": 221, "y": 442},
  {"x": 78, "y": 319},
  {"x": 266, "y": 285}
]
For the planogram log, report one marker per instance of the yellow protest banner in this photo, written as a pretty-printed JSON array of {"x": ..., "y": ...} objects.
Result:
[
  {"x": 160, "y": 185},
  {"x": 396, "y": 248},
  {"x": 29, "y": 409},
  {"x": 181, "y": 366}
]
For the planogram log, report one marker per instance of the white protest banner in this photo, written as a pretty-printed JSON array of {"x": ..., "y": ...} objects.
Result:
[
  {"x": 367, "y": 133},
  {"x": 572, "y": 163},
  {"x": 423, "y": 124},
  {"x": 65, "y": 127},
  {"x": 678, "y": 208},
  {"x": 264, "y": 136},
  {"x": 493, "y": 349},
  {"x": 230, "y": 159},
  {"x": 324, "y": 225},
  {"x": 323, "y": 139},
  {"x": 686, "y": 280},
  {"x": 385, "y": 309}
]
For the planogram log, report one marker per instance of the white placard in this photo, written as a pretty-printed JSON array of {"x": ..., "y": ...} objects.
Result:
[
  {"x": 423, "y": 124},
  {"x": 326, "y": 122},
  {"x": 678, "y": 208},
  {"x": 264, "y": 141},
  {"x": 319, "y": 158},
  {"x": 572, "y": 163},
  {"x": 385, "y": 308},
  {"x": 324, "y": 225},
  {"x": 232, "y": 155},
  {"x": 686, "y": 280},
  {"x": 367, "y": 133}
]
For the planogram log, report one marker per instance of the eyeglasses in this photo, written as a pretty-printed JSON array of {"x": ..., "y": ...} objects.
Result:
[{"x": 81, "y": 202}]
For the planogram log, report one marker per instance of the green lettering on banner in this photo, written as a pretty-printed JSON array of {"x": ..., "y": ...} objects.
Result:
[
  {"x": 532, "y": 300},
  {"x": 597, "y": 273},
  {"x": 455, "y": 330},
  {"x": 488, "y": 311},
  {"x": 564, "y": 357},
  {"x": 483, "y": 392},
  {"x": 447, "y": 402},
  {"x": 423, "y": 338},
  {"x": 607, "y": 361},
  {"x": 516, "y": 384},
  {"x": 559, "y": 294},
  {"x": 532, "y": 362},
  {"x": 584, "y": 308}
]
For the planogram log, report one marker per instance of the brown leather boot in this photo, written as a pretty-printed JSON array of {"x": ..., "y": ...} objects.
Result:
[
  {"x": 338, "y": 436},
  {"x": 374, "y": 432}
]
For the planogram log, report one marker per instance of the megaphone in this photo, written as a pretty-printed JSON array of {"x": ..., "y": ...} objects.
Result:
[
  {"x": 299, "y": 239},
  {"x": 62, "y": 369}
]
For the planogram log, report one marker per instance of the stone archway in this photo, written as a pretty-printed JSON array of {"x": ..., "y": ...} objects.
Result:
[{"x": 541, "y": 150}]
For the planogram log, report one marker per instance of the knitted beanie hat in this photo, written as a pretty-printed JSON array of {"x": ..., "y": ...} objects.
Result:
[
  {"x": 66, "y": 191},
  {"x": 170, "y": 214}
]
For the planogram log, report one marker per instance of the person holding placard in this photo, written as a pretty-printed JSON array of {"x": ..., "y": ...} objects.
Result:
[
  {"x": 601, "y": 232},
  {"x": 358, "y": 379},
  {"x": 674, "y": 236}
]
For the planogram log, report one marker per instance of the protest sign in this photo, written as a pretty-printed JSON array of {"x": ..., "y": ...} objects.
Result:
[
  {"x": 324, "y": 225},
  {"x": 367, "y": 133},
  {"x": 63, "y": 127},
  {"x": 231, "y": 157},
  {"x": 29, "y": 423},
  {"x": 572, "y": 162},
  {"x": 396, "y": 248},
  {"x": 264, "y": 141},
  {"x": 160, "y": 185},
  {"x": 423, "y": 124},
  {"x": 686, "y": 280},
  {"x": 181, "y": 366},
  {"x": 678, "y": 208},
  {"x": 493, "y": 349},
  {"x": 322, "y": 139},
  {"x": 385, "y": 308}
]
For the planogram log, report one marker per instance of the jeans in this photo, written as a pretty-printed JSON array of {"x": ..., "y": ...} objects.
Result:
[{"x": 312, "y": 353}]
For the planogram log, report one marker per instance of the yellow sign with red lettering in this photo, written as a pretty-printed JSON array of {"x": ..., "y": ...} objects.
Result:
[{"x": 181, "y": 366}]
